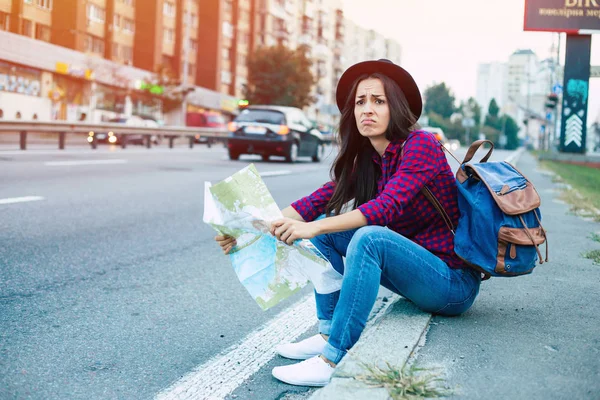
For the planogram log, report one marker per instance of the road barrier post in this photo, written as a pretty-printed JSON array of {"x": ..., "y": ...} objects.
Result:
[{"x": 23, "y": 140}]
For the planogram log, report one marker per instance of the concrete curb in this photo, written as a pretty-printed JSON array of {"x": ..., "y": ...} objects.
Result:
[
  {"x": 377, "y": 346},
  {"x": 513, "y": 158}
]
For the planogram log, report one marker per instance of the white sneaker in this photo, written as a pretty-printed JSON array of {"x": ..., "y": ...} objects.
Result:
[
  {"x": 303, "y": 350},
  {"x": 312, "y": 372}
]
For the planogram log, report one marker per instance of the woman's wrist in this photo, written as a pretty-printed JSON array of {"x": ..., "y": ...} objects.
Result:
[{"x": 318, "y": 226}]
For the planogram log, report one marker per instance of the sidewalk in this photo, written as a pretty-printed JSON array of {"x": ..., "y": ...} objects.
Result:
[{"x": 532, "y": 337}]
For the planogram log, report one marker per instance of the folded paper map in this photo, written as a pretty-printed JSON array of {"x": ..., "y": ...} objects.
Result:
[{"x": 241, "y": 206}]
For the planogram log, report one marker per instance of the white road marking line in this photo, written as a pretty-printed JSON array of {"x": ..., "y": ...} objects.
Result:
[
  {"x": 21, "y": 199},
  {"x": 222, "y": 374},
  {"x": 275, "y": 173},
  {"x": 84, "y": 162}
]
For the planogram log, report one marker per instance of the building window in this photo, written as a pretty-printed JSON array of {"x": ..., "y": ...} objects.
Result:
[
  {"x": 116, "y": 22},
  {"x": 225, "y": 53},
  {"x": 127, "y": 54},
  {"x": 26, "y": 27},
  {"x": 226, "y": 77},
  {"x": 115, "y": 50},
  {"x": 193, "y": 44},
  {"x": 42, "y": 32},
  {"x": 192, "y": 70},
  {"x": 241, "y": 60},
  {"x": 4, "y": 21},
  {"x": 169, "y": 9},
  {"x": 168, "y": 35},
  {"x": 227, "y": 7},
  {"x": 128, "y": 25},
  {"x": 194, "y": 20},
  {"x": 94, "y": 44},
  {"x": 227, "y": 29},
  {"x": 127, "y": 2},
  {"x": 95, "y": 13},
  {"x": 47, "y": 4}
]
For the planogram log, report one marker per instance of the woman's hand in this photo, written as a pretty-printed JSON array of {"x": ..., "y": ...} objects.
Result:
[
  {"x": 226, "y": 242},
  {"x": 289, "y": 230}
]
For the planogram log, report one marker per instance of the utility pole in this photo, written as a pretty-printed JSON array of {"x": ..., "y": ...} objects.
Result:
[
  {"x": 186, "y": 51},
  {"x": 555, "y": 135},
  {"x": 528, "y": 98}
]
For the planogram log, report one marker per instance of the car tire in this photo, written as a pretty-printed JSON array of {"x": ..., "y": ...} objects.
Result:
[
  {"x": 292, "y": 155},
  {"x": 234, "y": 155},
  {"x": 319, "y": 153}
]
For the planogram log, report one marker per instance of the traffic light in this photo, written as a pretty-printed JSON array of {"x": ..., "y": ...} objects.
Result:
[{"x": 551, "y": 100}]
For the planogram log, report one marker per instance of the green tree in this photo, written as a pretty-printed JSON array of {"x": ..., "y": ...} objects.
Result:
[
  {"x": 451, "y": 130},
  {"x": 492, "y": 119},
  {"x": 471, "y": 107},
  {"x": 511, "y": 130},
  {"x": 279, "y": 76},
  {"x": 493, "y": 108},
  {"x": 440, "y": 100}
]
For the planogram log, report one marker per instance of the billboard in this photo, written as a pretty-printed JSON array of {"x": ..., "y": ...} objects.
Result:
[{"x": 571, "y": 16}]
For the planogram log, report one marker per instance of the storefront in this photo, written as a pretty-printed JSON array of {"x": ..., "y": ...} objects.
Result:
[
  {"x": 70, "y": 98},
  {"x": 110, "y": 102},
  {"x": 146, "y": 105},
  {"x": 21, "y": 93}
]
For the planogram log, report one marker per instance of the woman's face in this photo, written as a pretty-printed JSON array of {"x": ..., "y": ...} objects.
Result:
[{"x": 371, "y": 109}]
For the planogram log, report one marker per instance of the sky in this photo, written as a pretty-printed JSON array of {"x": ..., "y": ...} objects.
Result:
[{"x": 445, "y": 40}]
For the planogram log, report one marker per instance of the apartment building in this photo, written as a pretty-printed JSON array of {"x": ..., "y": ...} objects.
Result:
[
  {"x": 135, "y": 42},
  {"x": 520, "y": 87},
  {"x": 491, "y": 84},
  {"x": 367, "y": 44}
]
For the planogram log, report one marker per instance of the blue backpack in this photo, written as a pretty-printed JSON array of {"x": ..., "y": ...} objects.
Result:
[{"x": 499, "y": 230}]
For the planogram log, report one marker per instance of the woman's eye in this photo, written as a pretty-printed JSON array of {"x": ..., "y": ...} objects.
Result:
[
  {"x": 379, "y": 101},
  {"x": 360, "y": 102}
]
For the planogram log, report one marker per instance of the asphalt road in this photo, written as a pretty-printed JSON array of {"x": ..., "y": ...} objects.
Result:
[{"x": 111, "y": 286}]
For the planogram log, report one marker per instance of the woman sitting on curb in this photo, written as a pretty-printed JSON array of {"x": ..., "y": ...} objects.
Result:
[{"x": 393, "y": 236}]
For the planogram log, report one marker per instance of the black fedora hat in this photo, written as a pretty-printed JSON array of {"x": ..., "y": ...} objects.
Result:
[{"x": 386, "y": 67}]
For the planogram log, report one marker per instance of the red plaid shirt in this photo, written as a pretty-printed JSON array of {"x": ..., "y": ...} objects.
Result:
[{"x": 399, "y": 204}]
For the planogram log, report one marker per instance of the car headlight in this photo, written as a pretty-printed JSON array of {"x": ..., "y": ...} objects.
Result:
[{"x": 112, "y": 139}]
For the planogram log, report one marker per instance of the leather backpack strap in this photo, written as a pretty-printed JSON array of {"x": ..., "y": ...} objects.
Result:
[{"x": 438, "y": 206}]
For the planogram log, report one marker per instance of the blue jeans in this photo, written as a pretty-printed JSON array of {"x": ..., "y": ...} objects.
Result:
[{"x": 376, "y": 255}]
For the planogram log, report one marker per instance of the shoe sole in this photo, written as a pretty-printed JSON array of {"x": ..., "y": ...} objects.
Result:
[
  {"x": 292, "y": 356},
  {"x": 299, "y": 383}
]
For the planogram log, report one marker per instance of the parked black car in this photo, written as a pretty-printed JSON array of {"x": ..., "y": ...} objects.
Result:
[{"x": 274, "y": 130}]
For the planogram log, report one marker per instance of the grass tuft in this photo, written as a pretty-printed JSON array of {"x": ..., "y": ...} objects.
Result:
[
  {"x": 595, "y": 237},
  {"x": 593, "y": 255},
  {"x": 406, "y": 383}
]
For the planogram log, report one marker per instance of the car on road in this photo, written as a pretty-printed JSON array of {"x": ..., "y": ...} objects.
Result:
[
  {"x": 453, "y": 144},
  {"x": 269, "y": 130},
  {"x": 205, "y": 119},
  {"x": 438, "y": 133},
  {"x": 114, "y": 137}
]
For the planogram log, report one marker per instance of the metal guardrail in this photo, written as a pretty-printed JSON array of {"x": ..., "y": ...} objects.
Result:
[{"x": 61, "y": 128}]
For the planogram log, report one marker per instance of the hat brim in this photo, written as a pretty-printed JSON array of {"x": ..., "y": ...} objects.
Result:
[{"x": 395, "y": 72}]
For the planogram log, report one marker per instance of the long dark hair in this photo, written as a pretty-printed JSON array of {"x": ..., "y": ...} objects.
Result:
[{"x": 353, "y": 171}]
